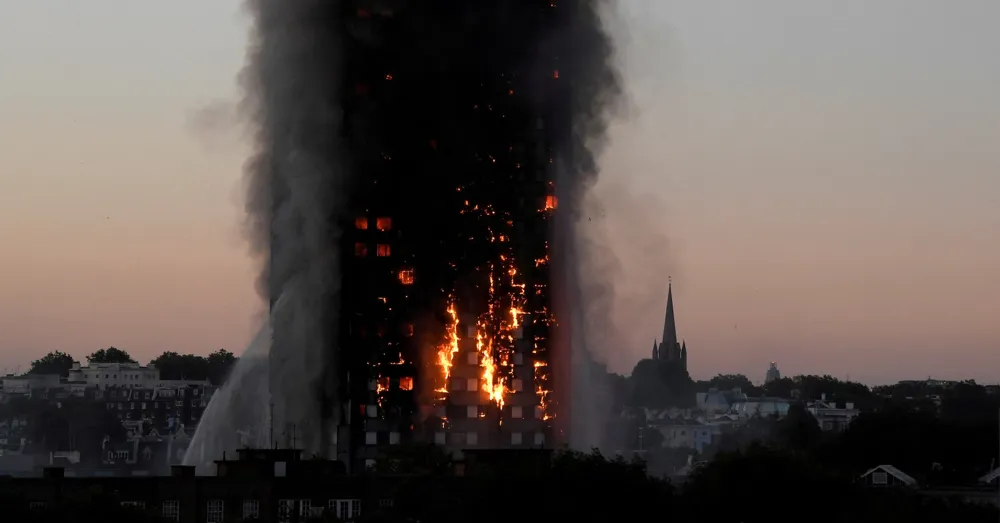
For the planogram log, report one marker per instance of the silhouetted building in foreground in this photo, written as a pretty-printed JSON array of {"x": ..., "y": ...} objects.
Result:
[
  {"x": 265, "y": 485},
  {"x": 669, "y": 349}
]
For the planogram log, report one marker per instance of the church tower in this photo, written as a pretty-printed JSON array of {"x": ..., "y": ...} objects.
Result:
[{"x": 669, "y": 348}]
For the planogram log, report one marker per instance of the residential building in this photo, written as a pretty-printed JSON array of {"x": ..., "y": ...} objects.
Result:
[
  {"x": 760, "y": 407},
  {"x": 123, "y": 375},
  {"x": 887, "y": 476},
  {"x": 717, "y": 401},
  {"x": 830, "y": 416},
  {"x": 27, "y": 383}
]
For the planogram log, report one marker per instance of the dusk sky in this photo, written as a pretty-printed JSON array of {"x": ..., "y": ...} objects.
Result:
[{"x": 820, "y": 178}]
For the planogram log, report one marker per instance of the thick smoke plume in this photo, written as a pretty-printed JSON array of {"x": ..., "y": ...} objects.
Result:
[
  {"x": 294, "y": 187},
  {"x": 297, "y": 186},
  {"x": 585, "y": 291}
]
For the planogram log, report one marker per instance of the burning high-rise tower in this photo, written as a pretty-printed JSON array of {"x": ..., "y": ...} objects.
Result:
[
  {"x": 446, "y": 305},
  {"x": 417, "y": 184}
]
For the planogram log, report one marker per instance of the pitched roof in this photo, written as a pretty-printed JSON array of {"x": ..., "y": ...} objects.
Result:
[
  {"x": 991, "y": 476},
  {"x": 892, "y": 471}
]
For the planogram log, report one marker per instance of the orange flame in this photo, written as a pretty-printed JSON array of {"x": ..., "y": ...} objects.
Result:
[{"x": 447, "y": 350}]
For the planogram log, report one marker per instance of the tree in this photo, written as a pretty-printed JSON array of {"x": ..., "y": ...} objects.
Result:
[
  {"x": 798, "y": 430},
  {"x": 658, "y": 384},
  {"x": 174, "y": 366},
  {"x": 214, "y": 368},
  {"x": 724, "y": 382},
  {"x": 52, "y": 363},
  {"x": 742, "y": 479},
  {"x": 779, "y": 388},
  {"x": 110, "y": 355},
  {"x": 220, "y": 363}
]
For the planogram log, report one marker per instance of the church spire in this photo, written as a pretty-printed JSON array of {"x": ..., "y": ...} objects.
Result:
[{"x": 669, "y": 339}]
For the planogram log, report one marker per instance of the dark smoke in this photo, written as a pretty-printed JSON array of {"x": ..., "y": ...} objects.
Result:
[
  {"x": 305, "y": 146},
  {"x": 294, "y": 183},
  {"x": 586, "y": 290}
]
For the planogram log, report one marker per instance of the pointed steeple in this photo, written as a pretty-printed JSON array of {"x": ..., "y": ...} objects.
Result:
[
  {"x": 669, "y": 326},
  {"x": 655, "y": 355}
]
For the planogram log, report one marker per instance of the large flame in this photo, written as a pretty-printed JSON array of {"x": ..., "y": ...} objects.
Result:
[
  {"x": 500, "y": 326},
  {"x": 448, "y": 349}
]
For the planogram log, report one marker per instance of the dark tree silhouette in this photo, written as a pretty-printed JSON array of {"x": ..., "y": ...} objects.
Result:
[
  {"x": 52, "y": 363},
  {"x": 658, "y": 384},
  {"x": 110, "y": 355},
  {"x": 779, "y": 388},
  {"x": 798, "y": 430},
  {"x": 731, "y": 488},
  {"x": 220, "y": 363},
  {"x": 725, "y": 382},
  {"x": 214, "y": 368}
]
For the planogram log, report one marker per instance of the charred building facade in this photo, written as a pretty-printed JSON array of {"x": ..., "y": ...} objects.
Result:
[{"x": 456, "y": 116}]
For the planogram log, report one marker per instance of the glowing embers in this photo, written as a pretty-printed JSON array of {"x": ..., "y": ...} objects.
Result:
[
  {"x": 555, "y": 74},
  {"x": 382, "y": 386},
  {"x": 406, "y": 383},
  {"x": 406, "y": 276},
  {"x": 383, "y": 250},
  {"x": 383, "y": 223},
  {"x": 361, "y": 223}
]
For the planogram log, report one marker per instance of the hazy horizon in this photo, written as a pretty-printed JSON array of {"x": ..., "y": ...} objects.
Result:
[{"x": 820, "y": 180}]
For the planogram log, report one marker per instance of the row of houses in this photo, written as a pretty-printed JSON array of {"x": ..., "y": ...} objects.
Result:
[
  {"x": 82, "y": 378},
  {"x": 716, "y": 412},
  {"x": 158, "y": 417}
]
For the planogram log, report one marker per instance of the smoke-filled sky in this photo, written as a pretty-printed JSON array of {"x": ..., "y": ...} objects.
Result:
[{"x": 821, "y": 179}]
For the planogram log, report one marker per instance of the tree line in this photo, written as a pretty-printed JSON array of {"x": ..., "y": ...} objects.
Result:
[
  {"x": 172, "y": 365},
  {"x": 953, "y": 400}
]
